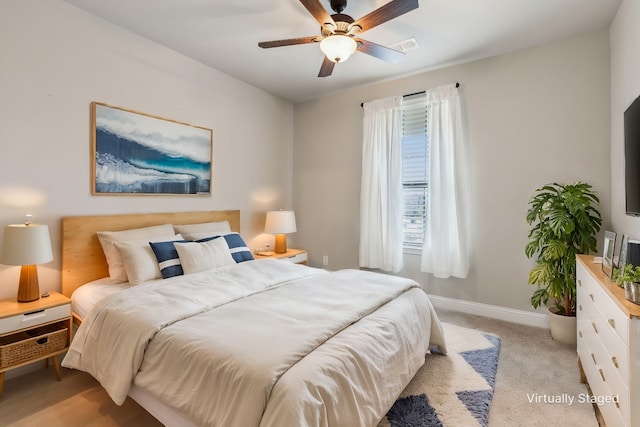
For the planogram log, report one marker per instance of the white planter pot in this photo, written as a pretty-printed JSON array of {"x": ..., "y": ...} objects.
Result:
[{"x": 563, "y": 328}]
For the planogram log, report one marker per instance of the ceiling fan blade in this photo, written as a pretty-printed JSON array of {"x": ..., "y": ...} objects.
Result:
[
  {"x": 385, "y": 13},
  {"x": 289, "y": 42},
  {"x": 320, "y": 13},
  {"x": 379, "y": 51},
  {"x": 327, "y": 67}
]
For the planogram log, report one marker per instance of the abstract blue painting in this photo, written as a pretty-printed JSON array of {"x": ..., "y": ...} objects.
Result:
[{"x": 135, "y": 153}]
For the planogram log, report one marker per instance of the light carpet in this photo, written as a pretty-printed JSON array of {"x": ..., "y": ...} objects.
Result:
[{"x": 451, "y": 390}]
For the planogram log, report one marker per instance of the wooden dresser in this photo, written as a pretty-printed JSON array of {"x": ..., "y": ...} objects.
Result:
[{"x": 608, "y": 344}]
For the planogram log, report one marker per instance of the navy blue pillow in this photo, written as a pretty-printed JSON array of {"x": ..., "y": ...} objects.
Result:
[
  {"x": 239, "y": 250},
  {"x": 168, "y": 259}
]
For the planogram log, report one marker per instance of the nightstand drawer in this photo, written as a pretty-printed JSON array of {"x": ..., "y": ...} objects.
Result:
[
  {"x": 26, "y": 346},
  {"x": 32, "y": 318},
  {"x": 297, "y": 259}
]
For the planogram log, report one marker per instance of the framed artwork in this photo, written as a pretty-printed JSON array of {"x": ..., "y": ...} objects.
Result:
[
  {"x": 607, "y": 254},
  {"x": 135, "y": 153}
]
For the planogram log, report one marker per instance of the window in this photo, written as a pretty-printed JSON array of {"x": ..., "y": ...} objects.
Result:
[{"x": 415, "y": 170}]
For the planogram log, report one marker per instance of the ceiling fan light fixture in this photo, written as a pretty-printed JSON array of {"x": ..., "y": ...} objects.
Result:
[{"x": 338, "y": 47}]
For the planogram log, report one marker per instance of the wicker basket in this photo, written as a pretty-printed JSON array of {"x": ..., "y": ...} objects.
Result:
[{"x": 22, "y": 347}]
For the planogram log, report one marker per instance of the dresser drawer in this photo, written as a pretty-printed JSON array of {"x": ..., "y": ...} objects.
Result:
[
  {"x": 592, "y": 323},
  {"x": 609, "y": 373},
  {"x": 36, "y": 317},
  {"x": 603, "y": 389},
  {"x": 590, "y": 289},
  {"x": 616, "y": 350}
]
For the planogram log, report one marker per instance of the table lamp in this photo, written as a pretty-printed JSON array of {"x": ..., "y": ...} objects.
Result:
[
  {"x": 280, "y": 223},
  {"x": 27, "y": 245}
]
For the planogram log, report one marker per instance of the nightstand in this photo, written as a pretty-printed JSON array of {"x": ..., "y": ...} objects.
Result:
[
  {"x": 34, "y": 331},
  {"x": 297, "y": 256}
]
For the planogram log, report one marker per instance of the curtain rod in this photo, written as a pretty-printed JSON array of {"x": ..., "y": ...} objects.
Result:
[{"x": 412, "y": 94}]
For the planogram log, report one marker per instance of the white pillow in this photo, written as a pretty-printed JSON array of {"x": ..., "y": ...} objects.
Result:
[
  {"x": 205, "y": 229},
  {"x": 139, "y": 260},
  {"x": 107, "y": 238},
  {"x": 196, "y": 256}
]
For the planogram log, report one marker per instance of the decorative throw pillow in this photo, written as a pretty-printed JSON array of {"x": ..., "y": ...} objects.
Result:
[
  {"x": 136, "y": 259},
  {"x": 201, "y": 256},
  {"x": 139, "y": 261},
  {"x": 167, "y": 258},
  {"x": 238, "y": 248},
  {"x": 107, "y": 239}
]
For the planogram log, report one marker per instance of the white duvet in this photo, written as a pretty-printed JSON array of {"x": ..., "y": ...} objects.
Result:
[{"x": 262, "y": 343}]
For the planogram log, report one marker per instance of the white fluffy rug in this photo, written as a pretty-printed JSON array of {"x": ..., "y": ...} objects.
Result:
[{"x": 451, "y": 390}]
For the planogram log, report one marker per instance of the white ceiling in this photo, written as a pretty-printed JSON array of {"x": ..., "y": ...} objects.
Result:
[{"x": 225, "y": 35}]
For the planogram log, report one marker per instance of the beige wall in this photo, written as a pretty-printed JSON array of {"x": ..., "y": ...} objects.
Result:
[
  {"x": 56, "y": 59},
  {"x": 625, "y": 87},
  {"x": 534, "y": 117},
  {"x": 521, "y": 107}
]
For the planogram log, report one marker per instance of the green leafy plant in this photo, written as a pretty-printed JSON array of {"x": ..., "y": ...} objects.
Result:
[
  {"x": 629, "y": 273},
  {"x": 565, "y": 221}
]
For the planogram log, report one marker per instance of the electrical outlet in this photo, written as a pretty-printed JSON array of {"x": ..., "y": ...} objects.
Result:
[{"x": 325, "y": 260}]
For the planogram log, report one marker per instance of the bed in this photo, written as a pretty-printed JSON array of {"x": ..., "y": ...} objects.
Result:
[{"x": 252, "y": 343}]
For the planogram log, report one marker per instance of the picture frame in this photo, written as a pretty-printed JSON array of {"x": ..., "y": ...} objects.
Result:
[
  {"x": 622, "y": 255},
  {"x": 134, "y": 153},
  {"x": 608, "y": 252},
  {"x": 621, "y": 260}
]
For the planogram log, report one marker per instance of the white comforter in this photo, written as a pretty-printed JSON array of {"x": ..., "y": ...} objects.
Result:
[{"x": 263, "y": 343}]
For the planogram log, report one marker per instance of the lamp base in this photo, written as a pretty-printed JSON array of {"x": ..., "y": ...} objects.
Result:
[
  {"x": 28, "y": 289},
  {"x": 281, "y": 244}
]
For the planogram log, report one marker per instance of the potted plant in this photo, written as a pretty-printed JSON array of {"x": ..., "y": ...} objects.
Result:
[
  {"x": 565, "y": 221},
  {"x": 629, "y": 278}
]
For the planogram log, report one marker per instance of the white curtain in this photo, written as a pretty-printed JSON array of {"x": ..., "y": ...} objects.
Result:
[
  {"x": 381, "y": 203},
  {"x": 446, "y": 250}
]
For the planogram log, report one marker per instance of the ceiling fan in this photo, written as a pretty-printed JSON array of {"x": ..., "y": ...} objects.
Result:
[{"x": 338, "y": 39}]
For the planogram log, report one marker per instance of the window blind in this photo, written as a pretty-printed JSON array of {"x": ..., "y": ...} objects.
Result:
[{"x": 415, "y": 169}]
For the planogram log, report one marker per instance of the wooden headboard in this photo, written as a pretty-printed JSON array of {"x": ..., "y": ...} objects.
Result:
[{"x": 82, "y": 256}]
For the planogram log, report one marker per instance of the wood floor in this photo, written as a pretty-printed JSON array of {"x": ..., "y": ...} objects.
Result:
[{"x": 38, "y": 399}]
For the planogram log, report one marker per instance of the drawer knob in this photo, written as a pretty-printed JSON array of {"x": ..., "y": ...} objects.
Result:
[
  {"x": 579, "y": 282},
  {"x": 602, "y": 375},
  {"x": 594, "y": 358},
  {"x": 580, "y": 307},
  {"x": 615, "y": 361},
  {"x": 594, "y": 327},
  {"x": 612, "y": 323},
  {"x": 580, "y": 333},
  {"x": 591, "y": 296}
]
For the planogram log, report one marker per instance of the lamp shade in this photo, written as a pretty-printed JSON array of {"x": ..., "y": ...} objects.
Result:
[
  {"x": 338, "y": 47},
  {"x": 280, "y": 222},
  {"x": 26, "y": 244}
]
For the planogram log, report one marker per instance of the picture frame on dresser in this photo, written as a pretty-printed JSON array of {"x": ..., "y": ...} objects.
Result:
[
  {"x": 622, "y": 255},
  {"x": 608, "y": 252}
]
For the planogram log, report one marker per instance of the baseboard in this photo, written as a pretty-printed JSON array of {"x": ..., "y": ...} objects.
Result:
[{"x": 492, "y": 311}]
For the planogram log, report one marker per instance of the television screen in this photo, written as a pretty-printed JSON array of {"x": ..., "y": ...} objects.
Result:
[{"x": 632, "y": 158}]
